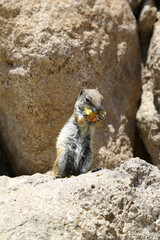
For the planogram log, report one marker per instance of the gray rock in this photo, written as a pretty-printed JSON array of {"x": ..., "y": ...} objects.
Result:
[
  {"x": 111, "y": 204},
  {"x": 48, "y": 51}
]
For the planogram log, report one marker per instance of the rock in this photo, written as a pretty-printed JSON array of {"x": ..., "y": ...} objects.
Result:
[
  {"x": 48, "y": 51},
  {"x": 119, "y": 204},
  {"x": 148, "y": 115},
  {"x": 146, "y": 21}
]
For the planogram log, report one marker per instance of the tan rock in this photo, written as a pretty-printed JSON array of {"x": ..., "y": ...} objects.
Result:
[
  {"x": 119, "y": 204},
  {"x": 48, "y": 51},
  {"x": 148, "y": 115},
  {"x": 146, "y": 20}
]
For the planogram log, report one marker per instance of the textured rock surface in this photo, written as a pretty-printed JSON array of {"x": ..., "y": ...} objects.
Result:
[
  {"x": 148, "y": 115},
  {"x": 119, "y": 204},
  {"x": 146, "y": 21},
  {"x": 48, "y": 51}
]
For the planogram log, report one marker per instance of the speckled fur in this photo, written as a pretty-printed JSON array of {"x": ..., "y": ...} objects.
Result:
[{"x": 74, "y": 154}]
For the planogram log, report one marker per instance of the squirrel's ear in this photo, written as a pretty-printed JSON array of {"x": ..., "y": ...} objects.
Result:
[{"x": 81, "y": 92}]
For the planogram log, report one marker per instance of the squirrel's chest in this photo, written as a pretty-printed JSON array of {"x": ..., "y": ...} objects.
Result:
[{"x": 80, "y": 142}]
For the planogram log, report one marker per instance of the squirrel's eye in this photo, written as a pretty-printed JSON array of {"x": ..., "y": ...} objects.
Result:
[{"x": 87, "y": 100}]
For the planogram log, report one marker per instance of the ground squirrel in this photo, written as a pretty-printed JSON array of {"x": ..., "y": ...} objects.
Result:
[{"x": 74, "y": 154}]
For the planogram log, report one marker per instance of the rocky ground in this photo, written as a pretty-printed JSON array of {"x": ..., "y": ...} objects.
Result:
[{"x": 111, "y": 204}]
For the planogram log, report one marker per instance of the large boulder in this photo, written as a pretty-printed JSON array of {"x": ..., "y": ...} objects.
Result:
[
  {"x": 148, "y": 116},
  {"x": 110, "y": 204},
  {"x": 48, "y": 51}
]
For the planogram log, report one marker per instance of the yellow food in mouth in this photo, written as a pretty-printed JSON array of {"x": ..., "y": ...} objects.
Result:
[{"x": 92, "y": 116}]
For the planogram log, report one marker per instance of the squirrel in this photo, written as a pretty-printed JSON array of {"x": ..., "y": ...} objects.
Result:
[{"x": 74, "y": 154}]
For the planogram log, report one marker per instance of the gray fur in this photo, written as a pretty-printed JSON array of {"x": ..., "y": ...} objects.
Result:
[{"x": 76, "y": 144}]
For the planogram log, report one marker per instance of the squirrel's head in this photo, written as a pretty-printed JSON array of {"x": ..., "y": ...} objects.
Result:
[{"x": 90, "y": 98}]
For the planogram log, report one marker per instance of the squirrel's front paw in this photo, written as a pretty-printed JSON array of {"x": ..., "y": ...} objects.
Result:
[
  {"x": 84, "y": 114},
  {"x": 100, "y": 117}
]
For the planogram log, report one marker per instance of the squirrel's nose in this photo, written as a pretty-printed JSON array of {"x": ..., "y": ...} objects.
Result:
[{"x": 98, "y": 108}]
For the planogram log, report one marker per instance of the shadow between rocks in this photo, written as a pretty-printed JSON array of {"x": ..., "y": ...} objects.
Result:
[
  {"x": 139, "y": 149},
  {"x": 5, "y": 165}
]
